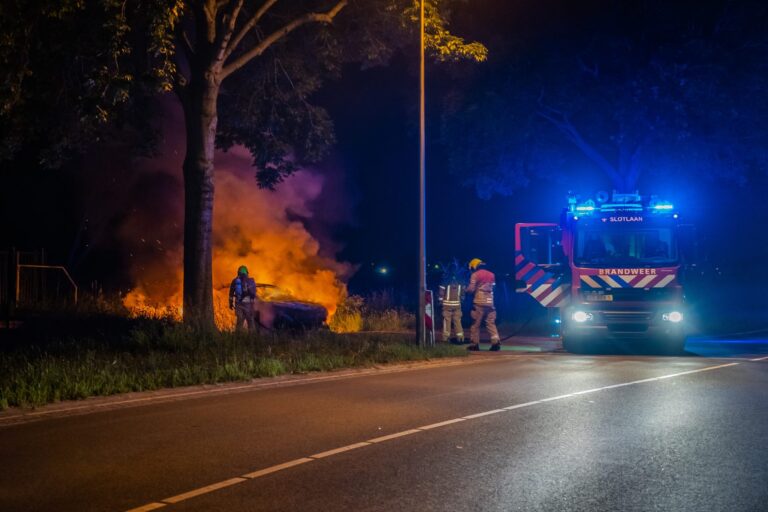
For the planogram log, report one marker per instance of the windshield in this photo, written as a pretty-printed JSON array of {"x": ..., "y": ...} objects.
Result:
[{"x": 625, "y": 247}]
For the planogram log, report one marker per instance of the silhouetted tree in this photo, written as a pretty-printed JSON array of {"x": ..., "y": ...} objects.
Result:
[
  {"x": 646, "y": 87},
  {"x": 243, "y": 70}
]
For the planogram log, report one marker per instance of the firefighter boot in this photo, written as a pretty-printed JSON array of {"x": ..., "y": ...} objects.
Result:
[
  {"x": 495, "y": 347},
  {"x": 473, "y": 347}
]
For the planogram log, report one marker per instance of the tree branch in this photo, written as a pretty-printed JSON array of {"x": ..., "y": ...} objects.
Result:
[
  {"x": 313, "y": 17},
  {"x": 189, "y": 49},
  {"x": 209, "y": 10},
  {"x": 634, "y": 160},
  {"x": 229, "y": 21},
  {"x": 248, "y": 26},
  {"x": 562, "y": 123}
]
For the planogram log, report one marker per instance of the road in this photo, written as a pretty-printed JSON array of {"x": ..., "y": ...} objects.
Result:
[{"x": 503, "y": 432}]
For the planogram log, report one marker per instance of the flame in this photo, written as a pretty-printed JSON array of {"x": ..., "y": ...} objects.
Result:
[
  {"x": 260, "y": 229},
  {"x": 263, "y": 230}
]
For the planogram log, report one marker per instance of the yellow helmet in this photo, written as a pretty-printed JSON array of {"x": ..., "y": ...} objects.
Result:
[{"x": 474, "y": 263}]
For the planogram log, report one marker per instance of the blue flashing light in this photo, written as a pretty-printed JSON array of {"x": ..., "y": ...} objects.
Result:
[
  {"x": 664, "y": 206},
  {"x": 675, "y": 216},
  {"x": 584, "y": 208}
]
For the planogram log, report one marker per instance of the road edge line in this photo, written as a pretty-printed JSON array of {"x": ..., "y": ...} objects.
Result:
[{"x": 329, "y": 453}]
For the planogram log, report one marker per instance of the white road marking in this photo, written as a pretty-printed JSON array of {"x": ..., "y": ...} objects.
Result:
[
  {"x": 518, "y": 406},
  {"x": 441, "y": 424},
  {"x": 204, "y": 490},
  {"x": 329, "y": 453},
  {"x": 555, "y": 398},
  {"x": 393, "y": 436},
  {"x": 147, "y": 507},
  {"x": 343, "y": 449},
  {"x": 759, "y": 358},
  {"x": 479, "y": 414},
  {"x": 278, "y": 467}
]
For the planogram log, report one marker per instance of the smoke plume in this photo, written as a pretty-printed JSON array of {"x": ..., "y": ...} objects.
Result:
[{"x": 264, "y": 230}]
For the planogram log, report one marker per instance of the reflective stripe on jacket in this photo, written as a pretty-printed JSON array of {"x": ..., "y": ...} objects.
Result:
[{"x": 451, "y": 295}]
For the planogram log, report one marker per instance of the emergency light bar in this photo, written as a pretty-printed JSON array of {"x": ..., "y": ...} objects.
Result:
[{"x": 621, "y": 202}]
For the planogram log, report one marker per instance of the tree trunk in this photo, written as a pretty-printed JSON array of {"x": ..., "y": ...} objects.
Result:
[{"x": 200, "y": 122}]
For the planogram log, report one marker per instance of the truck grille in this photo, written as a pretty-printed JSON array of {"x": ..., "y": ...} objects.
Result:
[
  {"x": 627, "y": 321},
  {"x": 639, "y": 294},
  {"x": 627, "y": 316}
]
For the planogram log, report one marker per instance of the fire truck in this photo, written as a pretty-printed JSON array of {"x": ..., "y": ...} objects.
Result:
[{"x": 612, "y": 267}]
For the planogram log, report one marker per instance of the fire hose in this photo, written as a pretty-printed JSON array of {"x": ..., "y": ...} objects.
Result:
[{"x": 519, "y": 329}]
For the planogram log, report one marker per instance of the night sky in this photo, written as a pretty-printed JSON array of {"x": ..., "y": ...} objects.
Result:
[{"x": 368, "y": 212}]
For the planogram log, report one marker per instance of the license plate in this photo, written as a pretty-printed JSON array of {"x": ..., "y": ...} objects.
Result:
[{"x": 599, "y": 297}]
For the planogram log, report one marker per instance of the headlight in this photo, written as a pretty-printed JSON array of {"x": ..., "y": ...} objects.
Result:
[
  {"x": 673, "y": 316},
  {"x": 581, "y": 316}
]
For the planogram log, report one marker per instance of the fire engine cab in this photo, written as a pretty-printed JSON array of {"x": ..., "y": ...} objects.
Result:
[{"x": 612, "y": 266}]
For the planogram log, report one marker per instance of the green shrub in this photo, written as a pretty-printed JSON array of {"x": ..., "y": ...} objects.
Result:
[{"x": 143, "y": 355}]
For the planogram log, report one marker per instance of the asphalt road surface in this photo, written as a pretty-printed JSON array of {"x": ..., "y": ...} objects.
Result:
[{"x": 504, "y": 432}]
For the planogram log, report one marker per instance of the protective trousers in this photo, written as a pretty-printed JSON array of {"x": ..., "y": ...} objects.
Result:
[
  {"x": 480, "y": 312},
  {"x": 452, "y": 315},
  {"x": 245, "y": 318}
]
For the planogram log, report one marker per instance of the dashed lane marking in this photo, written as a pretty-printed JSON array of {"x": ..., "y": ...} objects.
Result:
[
  {"x": 335, "y": 451},
  {"x": 278, "y": 467},
  {"x": 759, "y": 358},
  {"x": 204, "y": 490},
  {"x": 148, "y": 507},
  {"x": 440, "y": 424},
  {"x": 393, "y": 436},
  {"x": 480, "y": 414},
  {"x": 382, "y": 439}
]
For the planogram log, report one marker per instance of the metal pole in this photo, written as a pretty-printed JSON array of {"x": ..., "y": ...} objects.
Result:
[{"x": 421, "y": 327}]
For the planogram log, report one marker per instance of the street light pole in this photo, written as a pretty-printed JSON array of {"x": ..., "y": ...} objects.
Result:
[{"x": 421, "y": 330}]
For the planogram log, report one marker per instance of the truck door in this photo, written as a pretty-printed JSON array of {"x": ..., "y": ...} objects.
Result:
[{"x": 541, "y": 268}]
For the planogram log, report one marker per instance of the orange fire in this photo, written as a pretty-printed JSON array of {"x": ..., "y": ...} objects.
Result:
[{"x": 260, "y": 229}]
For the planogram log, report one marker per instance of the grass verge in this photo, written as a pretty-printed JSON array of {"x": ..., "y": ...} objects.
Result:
[{"x": 147, "y": 355}]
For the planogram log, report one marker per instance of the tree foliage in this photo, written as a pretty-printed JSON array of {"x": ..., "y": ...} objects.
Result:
[
  {"x": 650, "y": 88},
  {"x": 63, "y": 76},
  {"x": 75, "y": 72}
]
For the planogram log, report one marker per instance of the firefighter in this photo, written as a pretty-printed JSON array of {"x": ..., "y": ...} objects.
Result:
[
  {"x": 451, "y": 294},
  {"x": 481, "y": 283},
  {"x": 242, "y": 298}
]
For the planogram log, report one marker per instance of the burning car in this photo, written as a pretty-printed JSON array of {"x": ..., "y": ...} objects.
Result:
[{"x": 278, "y": 309}]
